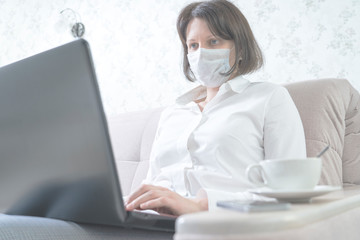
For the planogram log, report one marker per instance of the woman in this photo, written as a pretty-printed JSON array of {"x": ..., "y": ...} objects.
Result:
[{"x": 207, "y": 139}]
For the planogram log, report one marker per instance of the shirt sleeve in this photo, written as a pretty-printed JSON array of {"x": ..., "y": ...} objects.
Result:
[{"x": 283, "y": 130}]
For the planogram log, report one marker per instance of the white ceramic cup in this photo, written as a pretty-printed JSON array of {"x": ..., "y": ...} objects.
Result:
[{"x": 286, "y": 174}]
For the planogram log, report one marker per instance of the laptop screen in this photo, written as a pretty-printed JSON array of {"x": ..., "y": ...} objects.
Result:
[{"x": 55, "y": 153}]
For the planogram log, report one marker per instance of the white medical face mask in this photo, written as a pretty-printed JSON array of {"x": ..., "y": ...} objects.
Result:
[{"x": 208, "y": 64}]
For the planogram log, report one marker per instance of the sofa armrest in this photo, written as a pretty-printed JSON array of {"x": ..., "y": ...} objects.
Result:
[{"x": 302, "y": 221}]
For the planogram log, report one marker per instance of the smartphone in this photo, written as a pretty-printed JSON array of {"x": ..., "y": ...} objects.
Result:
[{"x": 253, "y": 205}]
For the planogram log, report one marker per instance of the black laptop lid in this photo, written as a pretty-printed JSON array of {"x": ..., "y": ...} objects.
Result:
[{"x": 55, "y": 153}]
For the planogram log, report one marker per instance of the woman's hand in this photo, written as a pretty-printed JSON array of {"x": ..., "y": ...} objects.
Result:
[{"x": 163, "y": 200}]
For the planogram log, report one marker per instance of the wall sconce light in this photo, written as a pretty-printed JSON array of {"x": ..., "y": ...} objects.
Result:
[{"x": 77, "y": 27}]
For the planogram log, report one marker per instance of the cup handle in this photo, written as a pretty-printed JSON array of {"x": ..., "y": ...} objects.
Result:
[{"x": 249, "y": 174}]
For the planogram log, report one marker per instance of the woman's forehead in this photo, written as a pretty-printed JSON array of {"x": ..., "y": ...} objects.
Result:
[{"x": 197, "y": 27}]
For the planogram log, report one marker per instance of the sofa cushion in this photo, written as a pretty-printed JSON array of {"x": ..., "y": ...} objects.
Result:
[
  {"x": 328, "y": 109},
  {"x": 132, "y": 135},
  {"x": 351, "y": 153}
]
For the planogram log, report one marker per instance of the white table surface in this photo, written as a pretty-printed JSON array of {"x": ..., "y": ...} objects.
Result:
[{"x": 222, "y": 222}]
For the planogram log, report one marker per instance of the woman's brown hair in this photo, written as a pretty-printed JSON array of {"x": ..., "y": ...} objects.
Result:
[{"x": 226, "y": 21}]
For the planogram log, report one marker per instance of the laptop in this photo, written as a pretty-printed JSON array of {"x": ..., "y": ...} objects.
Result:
[{"x": 56, "y": 158}]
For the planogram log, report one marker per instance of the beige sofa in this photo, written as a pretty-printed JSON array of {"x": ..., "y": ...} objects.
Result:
[{"x": 329, "y": 109}]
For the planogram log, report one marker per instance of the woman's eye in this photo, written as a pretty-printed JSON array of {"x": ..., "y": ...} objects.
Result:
[
  {"x": 214, "y": 41},
  {"x": 193, "y": 46}
]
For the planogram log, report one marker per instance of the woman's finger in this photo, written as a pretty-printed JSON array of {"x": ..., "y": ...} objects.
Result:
[
  {"x": 170, "y": 203},
  {"x": 140, "y": 191},
  {"x": 149, "y": 192},
  {"x": 156, "y": 203},
  {"x": 135, "y": 204}
]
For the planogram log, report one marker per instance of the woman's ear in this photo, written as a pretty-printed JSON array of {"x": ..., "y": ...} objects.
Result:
[{"x": 232, "y": 56}]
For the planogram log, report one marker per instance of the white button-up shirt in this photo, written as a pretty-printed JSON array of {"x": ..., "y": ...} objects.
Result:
[{"x": 208, "y": 151}]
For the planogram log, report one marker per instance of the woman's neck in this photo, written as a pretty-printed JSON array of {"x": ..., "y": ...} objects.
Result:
[{"x": 211, "y": 93}]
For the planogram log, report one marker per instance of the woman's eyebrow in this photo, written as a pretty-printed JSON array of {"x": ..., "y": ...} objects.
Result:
[
  {"x": 194, "y": 40},
  {"x": 190, "y": 40},
  {"x": 210, "y": 36}
]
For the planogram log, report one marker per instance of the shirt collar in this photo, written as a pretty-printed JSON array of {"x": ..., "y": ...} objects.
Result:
[{"x": 238, "y": 84}]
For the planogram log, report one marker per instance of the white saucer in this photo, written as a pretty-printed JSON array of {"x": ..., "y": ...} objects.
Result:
[{"x": 294, "y": 196}]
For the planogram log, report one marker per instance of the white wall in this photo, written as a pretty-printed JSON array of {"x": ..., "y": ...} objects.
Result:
[{"x": 138, "y": 55}]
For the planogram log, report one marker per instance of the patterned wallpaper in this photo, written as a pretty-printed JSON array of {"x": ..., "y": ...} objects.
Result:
[{"x": 138, "y": 55}]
